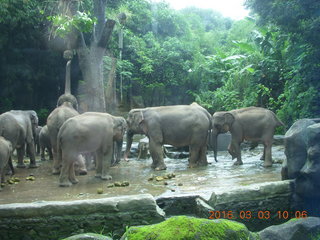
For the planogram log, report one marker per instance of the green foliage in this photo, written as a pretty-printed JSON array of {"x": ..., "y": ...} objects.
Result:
[
  {"x": 173, "y": 57},
  {"x": 43, "y": 113},
  {"x": 64, "y": 24},
  {"x": 182, "y": 227},
  {"x": 298, "y": 24}
]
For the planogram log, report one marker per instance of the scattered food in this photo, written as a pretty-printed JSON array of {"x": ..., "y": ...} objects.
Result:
[
  {"x": 30, "y": 178},
  {"x": 159, "y": 178},
  {"x": 117, "y": 184},
  {"x": 13, "y": 180},
  {"x": 99, "y": 190},
  {"x": 110, "y": 185},
  {"x": 180, "y": 184},
  {"x": 165, "y": 183},
  {"x": 125, "y": 183},
  {"x": 121, "y": 184}
]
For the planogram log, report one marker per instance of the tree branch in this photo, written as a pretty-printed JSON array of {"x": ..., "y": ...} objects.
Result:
[
  {"x": 99, "y": 9},
  {"x": 106, "y": 34}
]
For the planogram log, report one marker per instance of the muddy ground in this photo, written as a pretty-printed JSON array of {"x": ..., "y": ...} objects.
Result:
[{"x": 214, "y": 177}]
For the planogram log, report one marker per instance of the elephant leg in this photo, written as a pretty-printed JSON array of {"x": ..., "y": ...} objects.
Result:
[
  {"x": 80, "y": 165},
  {"x": 50, "y": 153},
  {"x": 237, "y": 150},
  {"x": 20, "y": 153},
  {"x": 268, "y": 154},
  {"x": 67, "y": 162},
  {"x": 98, "y": 157},
  {"x": 32, "y": 156},
  {"x": 42, "y": 151},
  {"x": 194, "y": 156},
  {"x": 156, "y": 153},
  {"x": 106, "y": 163},
  {"x": 264, "y": 154},
  {"x": 203, "y": 156},
  {"x": 72, "y": 175},
  {"x": 56, "y": 161},
  {"x": 11, "y": 166}
]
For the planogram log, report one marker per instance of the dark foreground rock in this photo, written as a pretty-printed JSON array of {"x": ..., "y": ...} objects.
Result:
[
  {"x": 295, "y": 229},
  {"x": 183, "y": 227}
]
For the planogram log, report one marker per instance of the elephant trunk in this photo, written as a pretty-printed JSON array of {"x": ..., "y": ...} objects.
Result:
[
  {"x": 213, "y": 143},
  {"x": 67, "y": 88},
  {"x": 129, "y": 143},
  {"x": 117, "y": 148}
]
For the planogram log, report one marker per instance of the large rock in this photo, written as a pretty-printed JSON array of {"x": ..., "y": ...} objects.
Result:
[
  {"x": 55, "y": 220},
  {"x": 182, "y": 227},
  {"x": 296, "y": 139},
  {"x": 302, "y": 149},
  {"x": 295, "y": 229}
]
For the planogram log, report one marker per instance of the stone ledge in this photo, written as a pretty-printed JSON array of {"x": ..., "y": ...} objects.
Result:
[
  {"x": 57, "y": 208},
  {"x": 55, "y": 220}
]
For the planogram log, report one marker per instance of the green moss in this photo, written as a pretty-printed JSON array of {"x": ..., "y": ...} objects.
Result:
[
  {"x": 183, "y": 227},
  {"x": 314, "y": 236}
]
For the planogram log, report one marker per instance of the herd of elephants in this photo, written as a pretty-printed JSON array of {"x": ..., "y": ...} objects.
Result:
[{"x": 72, "y": 137}]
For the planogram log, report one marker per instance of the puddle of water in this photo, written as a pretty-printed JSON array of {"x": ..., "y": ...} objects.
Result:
[{"x": 215, "y": 177}]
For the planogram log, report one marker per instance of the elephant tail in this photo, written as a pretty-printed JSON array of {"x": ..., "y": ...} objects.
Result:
[{"x": 278, "y": 121}]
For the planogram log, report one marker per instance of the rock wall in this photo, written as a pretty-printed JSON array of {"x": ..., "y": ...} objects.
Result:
[
  {"x": 55, "y": 220},
  {"x": 257, "y": 206}
]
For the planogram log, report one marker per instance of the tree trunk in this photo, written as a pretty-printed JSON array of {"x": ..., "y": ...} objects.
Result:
[
  {"x": 91, "y": 94},
  {"x": 110, "y": 79}
]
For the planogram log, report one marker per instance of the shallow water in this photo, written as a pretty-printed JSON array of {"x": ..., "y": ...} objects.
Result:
[{"x": 214, "y": 177}]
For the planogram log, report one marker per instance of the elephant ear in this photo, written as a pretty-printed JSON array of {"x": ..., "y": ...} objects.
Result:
[
  {"x": 228, "y": 119},
  {"x": 34, "y": 118},
  {"x": 120, "y": 125},
  {"x": 143, "y": 126}
]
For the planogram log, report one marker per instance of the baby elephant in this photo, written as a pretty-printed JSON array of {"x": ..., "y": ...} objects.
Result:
[
  {"x": 89, "y": 132},
  {"x": 44, "y": 142},
  {"x": 5, "y": 154}
]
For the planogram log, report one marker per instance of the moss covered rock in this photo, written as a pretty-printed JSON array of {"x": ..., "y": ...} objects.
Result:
[{"x": 183, "y": 227}]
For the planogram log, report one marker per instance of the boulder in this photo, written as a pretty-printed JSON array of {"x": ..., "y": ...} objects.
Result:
[
  {"x": 294, "y": 229},
  {"x": 296, "y": 139},
  {"x": 183, "y": 227}
]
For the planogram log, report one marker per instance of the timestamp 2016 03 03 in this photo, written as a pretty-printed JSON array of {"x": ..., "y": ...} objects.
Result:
[{"x": 263, "y": 214}]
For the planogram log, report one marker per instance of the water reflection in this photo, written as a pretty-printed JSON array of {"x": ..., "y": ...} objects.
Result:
[{"x": 215, "y": 177}]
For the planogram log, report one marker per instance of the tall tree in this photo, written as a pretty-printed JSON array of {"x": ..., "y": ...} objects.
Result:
[{"x": 90, "y": 50}]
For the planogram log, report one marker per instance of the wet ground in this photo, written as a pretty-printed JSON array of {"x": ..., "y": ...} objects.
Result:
[{"x": 215, "y": 177}]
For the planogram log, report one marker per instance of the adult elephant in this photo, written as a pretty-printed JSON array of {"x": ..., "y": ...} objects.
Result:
[
  {"x": 180, "y": 125},
  {"x": 45, "y": 143},
  {"x": 5, "y": 156},
  {"x": 19, "y": 128},
  {"x": 54, "y": 122},
  {"x": 254, "y": 124},
  {"x": 67, "y": 106},
  {"x": 85, "y": 133}
]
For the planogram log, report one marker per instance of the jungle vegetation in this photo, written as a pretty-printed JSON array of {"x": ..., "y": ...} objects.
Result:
[{"x": 270, "y": 59}]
